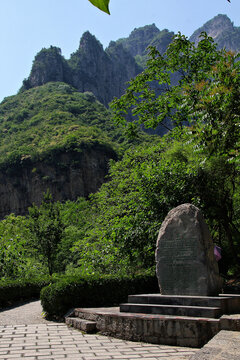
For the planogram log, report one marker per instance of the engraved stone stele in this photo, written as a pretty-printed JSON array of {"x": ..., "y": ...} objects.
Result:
[{"x": 185, "y": 255}]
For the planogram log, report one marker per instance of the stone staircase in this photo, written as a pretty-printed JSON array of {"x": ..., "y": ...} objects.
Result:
[
  {"x": 162, "y": 319},
  {"x": 193, "y": 306}
]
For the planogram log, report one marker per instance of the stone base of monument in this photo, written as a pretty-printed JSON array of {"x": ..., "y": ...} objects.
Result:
[
  {"x": 182, "y": 305},
  {"x": 158, "y": 328},
  {"x": 186, "y": 270}
]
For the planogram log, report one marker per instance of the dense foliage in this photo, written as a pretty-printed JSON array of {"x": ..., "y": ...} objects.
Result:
[
  {"x": 206, "y": 98},
  {"x": 115, "y": 230},
  {"x": 46, "y": 230},
  {"x": 54, "y": 117},
  {"x": 25, "y": 241}
]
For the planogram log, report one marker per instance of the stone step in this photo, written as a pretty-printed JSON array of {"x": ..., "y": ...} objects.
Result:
[
  {"x": 233, "y": 303},
  {"x": 175, "y": 310},
  {"x": 157, "y": 328},
  {"x": 82, "y": 324},
  {"x": 204, "y": 301}
]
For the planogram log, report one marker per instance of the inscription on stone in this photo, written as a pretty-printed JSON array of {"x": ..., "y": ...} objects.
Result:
[{"x": 185, "y": 255}]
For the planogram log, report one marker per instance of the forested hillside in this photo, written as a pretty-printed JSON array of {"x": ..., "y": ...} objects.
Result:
[
  {"x": 54, "y": 137},
  {"x": 58, "y": 138}
]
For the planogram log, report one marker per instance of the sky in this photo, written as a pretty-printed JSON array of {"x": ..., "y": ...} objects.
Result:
[{"x": 27, "y": 26}]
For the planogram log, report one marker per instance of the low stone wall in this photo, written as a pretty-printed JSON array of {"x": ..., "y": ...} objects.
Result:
[
  {"x": 155, "y": 329},
  {"x": 181, "y": 332}
]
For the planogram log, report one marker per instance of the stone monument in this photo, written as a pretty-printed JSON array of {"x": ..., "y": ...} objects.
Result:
[{"x": 185, "y": 255}]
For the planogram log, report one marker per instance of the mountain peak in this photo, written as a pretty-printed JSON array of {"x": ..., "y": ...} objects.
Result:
[
  {"x": 89, "y": 41},
  {"x": 139, "y": 39},
  {"x": 106, "y": 72},
  {"x": 220, "y": 28},
  {"x": 146, "y": 32}
]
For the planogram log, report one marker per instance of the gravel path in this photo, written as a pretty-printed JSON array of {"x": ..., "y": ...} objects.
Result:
[{"x": 25, "y": 314}]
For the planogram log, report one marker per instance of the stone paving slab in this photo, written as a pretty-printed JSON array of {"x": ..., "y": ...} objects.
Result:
[
  {"x": 57, "y": 341},
  {"x": 224, "y": 346}
]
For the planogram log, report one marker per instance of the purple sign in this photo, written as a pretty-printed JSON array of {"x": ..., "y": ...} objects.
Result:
[{"x": 217, "y": 252}]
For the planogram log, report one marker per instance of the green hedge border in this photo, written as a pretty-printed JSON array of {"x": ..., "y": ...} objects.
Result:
[
  {"x": 12, "y": 291},
  {"x": 59, "y": 297}
]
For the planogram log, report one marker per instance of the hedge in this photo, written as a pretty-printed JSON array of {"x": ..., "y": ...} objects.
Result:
[
  {"x": 59, "y": 297},
  {"x": 15, "y": 290}
]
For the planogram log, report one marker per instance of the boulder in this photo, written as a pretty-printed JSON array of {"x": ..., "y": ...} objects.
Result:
[{"x": 185, "y": 255}]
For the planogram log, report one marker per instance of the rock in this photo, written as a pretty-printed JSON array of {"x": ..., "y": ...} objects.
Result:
[
  {"x": 105, "y": 72},
  {"x": 185, "y": 255},
  {"x": 139, "y": 39},
  {"x": 67, "y": 174},
  {"x": 49, "y": 65},
  {"x": 90, "y": 68},
  {"x": 223, "y": 32}
]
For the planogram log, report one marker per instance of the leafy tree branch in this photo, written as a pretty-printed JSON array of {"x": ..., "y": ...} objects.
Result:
[{"x": 101, "y": 4}]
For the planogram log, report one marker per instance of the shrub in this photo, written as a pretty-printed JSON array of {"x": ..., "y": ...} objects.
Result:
[
  {"x": 93, "y": 291},
  {"x": 15, "y": 290}
]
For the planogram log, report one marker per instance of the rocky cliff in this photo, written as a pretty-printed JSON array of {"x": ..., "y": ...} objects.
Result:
[
  {"x": 68, "y": 176},
  {"x": 105, "y": 72},
  {"x": 222, "y": 30},
  {"x": 90, "y": 68},
  {"x": 49, "y": 65},
  {"x": 138, "y": 41}
]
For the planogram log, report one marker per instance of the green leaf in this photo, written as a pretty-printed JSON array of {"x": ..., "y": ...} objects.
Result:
[{"x": 101, "y": 4}]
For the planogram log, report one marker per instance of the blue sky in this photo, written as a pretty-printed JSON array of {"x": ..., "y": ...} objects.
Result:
[{"x": 26, "y": 26}]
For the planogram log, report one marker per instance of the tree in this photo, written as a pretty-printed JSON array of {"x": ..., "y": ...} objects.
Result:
[
  {"x": 47, "y": 228},
  {"x": 206, "y": 93},
  {"x": 14, "y": 252},
  {"x": 206, "y": 98}
]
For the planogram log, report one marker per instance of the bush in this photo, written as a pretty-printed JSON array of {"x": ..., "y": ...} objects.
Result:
[
  {"x": 15, "y": 290},
  {"x": 93, "y": 291}
]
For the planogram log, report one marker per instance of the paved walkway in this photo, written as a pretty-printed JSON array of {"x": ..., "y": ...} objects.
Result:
[
  {"x": 28, "y": 313},
  {"x": 55, "y": 341}
]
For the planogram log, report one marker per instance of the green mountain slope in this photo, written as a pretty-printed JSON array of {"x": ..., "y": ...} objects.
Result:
[
  {"x": 50, "y": 117},
  {"x": 56, "y": 121},
  {"x": 52, "y": 137}
]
